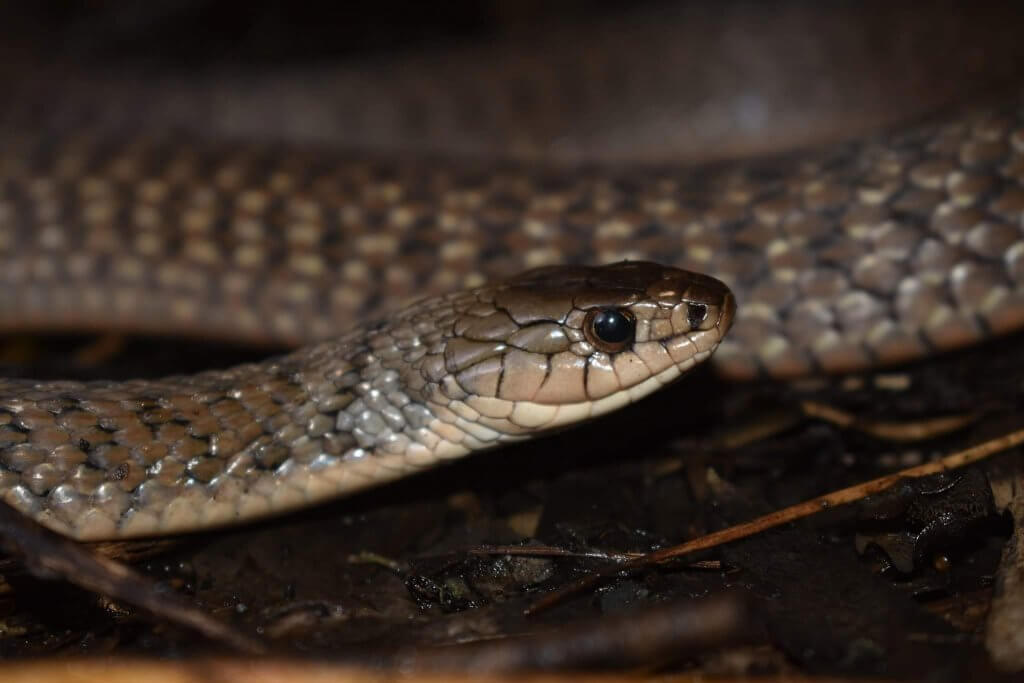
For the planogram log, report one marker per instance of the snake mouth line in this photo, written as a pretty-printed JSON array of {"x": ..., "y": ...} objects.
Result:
[{"x": 728, "y": 313}]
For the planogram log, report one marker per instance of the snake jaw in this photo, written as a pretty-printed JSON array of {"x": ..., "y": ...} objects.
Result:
[{"x": 523, "y": 357}]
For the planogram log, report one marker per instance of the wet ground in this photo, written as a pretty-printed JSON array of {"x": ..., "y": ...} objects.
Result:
[{"x": 393, "y": 571}]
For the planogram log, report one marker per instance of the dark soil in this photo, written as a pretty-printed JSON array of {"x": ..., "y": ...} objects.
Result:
[{"x": 373, "y": 577}]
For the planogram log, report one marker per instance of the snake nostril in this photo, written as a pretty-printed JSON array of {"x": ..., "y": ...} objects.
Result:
[{"x": 696, "y": 314}]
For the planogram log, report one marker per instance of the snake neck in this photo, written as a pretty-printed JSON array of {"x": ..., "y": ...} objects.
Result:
[{"x": 103, "y": 459}]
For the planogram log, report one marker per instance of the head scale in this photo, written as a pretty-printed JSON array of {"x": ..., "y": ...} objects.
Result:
[{"x": 561, "y": 344}]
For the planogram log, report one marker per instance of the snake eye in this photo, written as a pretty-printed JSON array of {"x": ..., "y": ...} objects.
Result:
[
  {"x": 609, "y": 329},
  {"x": 696, "y": 313}
]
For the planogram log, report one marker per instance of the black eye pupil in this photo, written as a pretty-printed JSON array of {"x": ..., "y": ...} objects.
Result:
[
  {"x": 696, "y": 313},
  {"x": 613, "y": 327}
]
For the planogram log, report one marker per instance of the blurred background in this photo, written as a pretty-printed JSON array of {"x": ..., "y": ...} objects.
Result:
[{"x": 572, "y": 81}]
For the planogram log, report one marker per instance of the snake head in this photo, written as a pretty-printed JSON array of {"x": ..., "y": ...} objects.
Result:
[{"x": 558, "y": 345}]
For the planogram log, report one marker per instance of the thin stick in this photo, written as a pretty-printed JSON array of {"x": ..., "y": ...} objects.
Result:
[
  {"x": 918, "y": 430},
  {"x": 48, "y": 555},
  {"x": 551, "y": 551},
  {"x": 786, "y": 515}
]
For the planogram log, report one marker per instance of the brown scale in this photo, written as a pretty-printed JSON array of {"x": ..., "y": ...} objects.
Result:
[
  {"x": 787, "y": 225},
  {"x": 433, "y": 381}
]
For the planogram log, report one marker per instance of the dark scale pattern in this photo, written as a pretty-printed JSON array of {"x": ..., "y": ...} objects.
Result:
[
  {"x": 866, "y": 253},
  {"x": 92, "y": 459},
  {"x": 435, "y": 380}
]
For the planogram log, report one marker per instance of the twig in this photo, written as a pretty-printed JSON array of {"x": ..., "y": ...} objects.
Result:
[
  {"x": 640, "y": 637},
  {"x": 917, "y": 430},
  {"x": 784, "y": 516},
  {"x": 48, "y": 555},
  {"x": 551, "y": 551}
]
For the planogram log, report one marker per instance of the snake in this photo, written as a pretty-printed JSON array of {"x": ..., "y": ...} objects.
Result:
[{"x": 534, "y": 295}]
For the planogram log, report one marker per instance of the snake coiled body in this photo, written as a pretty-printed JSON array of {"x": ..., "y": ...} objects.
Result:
[{"x": 870, "y": 251}]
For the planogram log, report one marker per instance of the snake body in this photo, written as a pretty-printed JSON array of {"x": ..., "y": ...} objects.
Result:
[
  {"x": 844, "y": 257},
  {"x": 872, "y": 251},
  {"x": 440, "y": 378}
]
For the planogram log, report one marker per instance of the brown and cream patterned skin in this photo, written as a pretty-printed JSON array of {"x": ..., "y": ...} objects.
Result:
[
  {"x": 291, "y": 210},
  {"x": 869, "y": 252},
  {"x": 438, "y": 379}
]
